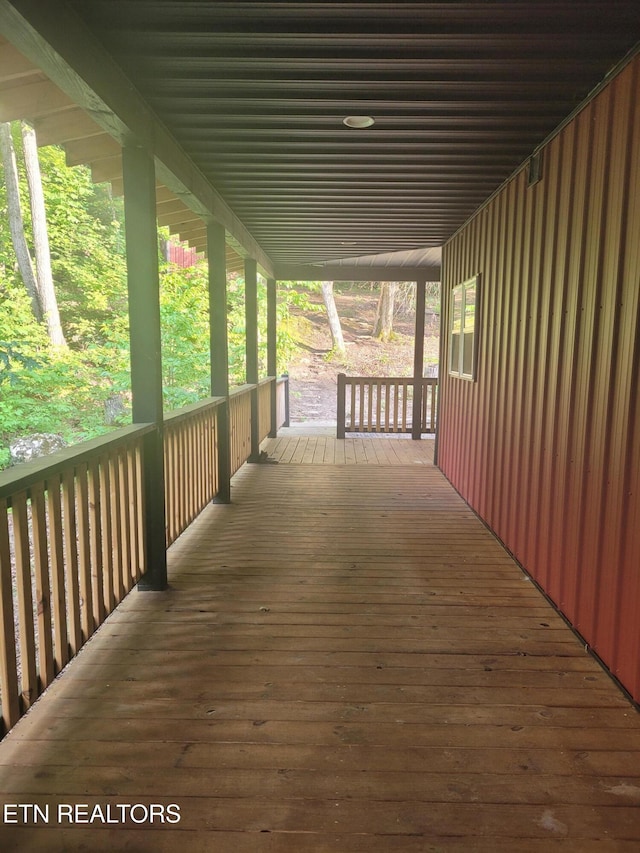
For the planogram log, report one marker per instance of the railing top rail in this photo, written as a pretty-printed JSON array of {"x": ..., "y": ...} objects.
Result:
[
  {"x": 389, "y": 379},
  {"x": 266, "y": 380},
  {"x": 193, "y": 409},
  {"x": 240, "y": 389},
  {"x": 27, "y": 473}
]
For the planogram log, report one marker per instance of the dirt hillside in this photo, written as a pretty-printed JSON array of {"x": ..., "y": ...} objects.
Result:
[{"x": 314, "y": 370}]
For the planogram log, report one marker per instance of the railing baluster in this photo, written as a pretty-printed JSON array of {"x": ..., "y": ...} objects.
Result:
[
  {"x": 96, "y": 542},
  {"x": 434, "y": 402},
  {"x": 106, "y": 517},
  {"x": 84, "y": 553},
  {"x": 125, "y": 531},
  {"x": 141, "y": 564},
  {"x": 201, "y": 464},
  {"x": 116, "y": 531},
  {"x": 8, "y": 663},
  {"x": 58, "y": 596},
  {"x": 374, "y": 390},
  {"x": 168, "y": 484},
  {"x": 46, "y": 669},
  {"x": 213, "y": 452},
  {"x": 71, "y": 560},
  {"x": 26, "y": 628},
  {"x": 134, "y": 545}
]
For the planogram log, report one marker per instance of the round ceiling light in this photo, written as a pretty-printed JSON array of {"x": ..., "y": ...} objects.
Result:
[{"x": 358, "y": 121}]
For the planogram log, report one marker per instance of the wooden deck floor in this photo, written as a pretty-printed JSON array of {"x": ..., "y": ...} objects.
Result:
[
  {"x": 296, "y": 447},
  {"x": 346, "y": 661}
]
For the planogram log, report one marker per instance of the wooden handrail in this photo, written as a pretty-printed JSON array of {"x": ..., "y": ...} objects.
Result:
[
  {"x": 383, "y": 404},
  {"x": 72, "y": 536},
  {"x": 27, "y": 473},
  {"x": 187, "y": 412}
]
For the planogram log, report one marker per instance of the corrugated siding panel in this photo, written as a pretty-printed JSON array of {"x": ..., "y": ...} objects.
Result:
[{"x": 546, "y": 444}]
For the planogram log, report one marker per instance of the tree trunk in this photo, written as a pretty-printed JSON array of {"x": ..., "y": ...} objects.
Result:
[
  {"x": 383, "y": 324},
  {"x": 332, "y": 316},
  {"x": 44, "y": 275},
  {"x": 16, "y": 225}
]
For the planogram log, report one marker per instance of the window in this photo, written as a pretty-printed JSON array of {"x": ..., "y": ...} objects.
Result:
[{"x": 464, "y": 301}]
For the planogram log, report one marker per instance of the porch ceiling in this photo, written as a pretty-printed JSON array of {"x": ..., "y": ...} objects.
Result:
[{"x": 461, "y": 94}]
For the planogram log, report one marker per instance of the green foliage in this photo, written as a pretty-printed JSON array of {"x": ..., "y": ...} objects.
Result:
[
  {"x": 47, "y": 389},
  {"x": 86, "y": 236},
  {"x": 289, "y": 294},
  {"x": 64, "y": 391},
  {"x": 185, "y": 335}
]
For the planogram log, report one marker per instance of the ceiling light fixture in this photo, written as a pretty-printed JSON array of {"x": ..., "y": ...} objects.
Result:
[{"x": 358, "y": 121}]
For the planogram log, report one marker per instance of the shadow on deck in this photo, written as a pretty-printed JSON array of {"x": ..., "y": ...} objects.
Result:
[{"x": 347, "y": 660}]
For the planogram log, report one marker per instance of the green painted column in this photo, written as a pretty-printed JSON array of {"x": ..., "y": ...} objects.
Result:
[
  {"x": 251, "y": 331},
  {"x": 146, "y": 351},
  {"x": 272, "y": 350},
  {"x": 418, "y": 361},
  {"x": 219, "y": 351}
]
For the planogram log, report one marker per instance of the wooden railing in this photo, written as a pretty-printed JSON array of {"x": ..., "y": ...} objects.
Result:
[
  {"x": 71, "y": 547},
  {"x": 240, "y": 425},
  {"x": 282, "y": 401},
  {"x": 383, "y": 404},
  {"x": 190, "y": 463},
  {"x": 72, "y": 538},
  {"x": 264, "y": 407}
]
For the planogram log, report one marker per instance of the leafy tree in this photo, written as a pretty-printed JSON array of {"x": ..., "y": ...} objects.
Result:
[
  {"x": 44, "y": 275},
  {"x": 383, "y": 323},
  {"x": 333, "y": 317},
  {"x": 44, "y": 389},
  {"x": 184, "y": 316}
]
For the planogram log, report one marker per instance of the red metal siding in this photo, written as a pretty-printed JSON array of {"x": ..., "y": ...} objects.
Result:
[{"x": 545, "y": 445}]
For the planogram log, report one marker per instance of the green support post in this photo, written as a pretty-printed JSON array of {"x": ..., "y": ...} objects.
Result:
[
  {"x": 251, "y": 325},
  {"x": 146, "y": 356},
  {"x": 418, "y": 361},
  {"x": 272, "y": 352},
  {"x": 219, "y": 351}
]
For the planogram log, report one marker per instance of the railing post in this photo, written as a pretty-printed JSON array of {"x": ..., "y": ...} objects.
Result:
[
  {"x": 342, "y": 406},
  {"x": 418, "y": 361},
  {"x": 251, "y": 326},
  {"x": 287, "y": 408},
  {"x": 146, "y": 358},
  {"x": 218, "y": 348},
  {"x": 272, "y": 352}
]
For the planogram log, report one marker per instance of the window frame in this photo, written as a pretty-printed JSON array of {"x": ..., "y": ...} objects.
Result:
[{"x": 462, "y": 334}]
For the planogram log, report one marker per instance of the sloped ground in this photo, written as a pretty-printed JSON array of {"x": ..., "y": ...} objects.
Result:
[{"x": 313, "y": 373}]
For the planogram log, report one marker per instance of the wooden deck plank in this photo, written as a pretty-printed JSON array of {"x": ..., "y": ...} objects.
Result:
[
  {"x": 357, "y": 449},
  {"x": 346, "y": 660},
  {"x": 168, "y": 840}
]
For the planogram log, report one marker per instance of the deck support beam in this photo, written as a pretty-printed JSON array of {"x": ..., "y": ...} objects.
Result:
[
  {"x": 418, "y": 360},
  {"x": 272, "y": 351},
  {"x": 146, "y": 350},
  {"x": 251, "y": 343},
  {"x": 219, "y": 352}
]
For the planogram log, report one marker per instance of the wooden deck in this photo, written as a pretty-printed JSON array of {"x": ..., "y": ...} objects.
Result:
[
  {"x": 298, "y": 445},
  {"x": 346, "y": 661}
]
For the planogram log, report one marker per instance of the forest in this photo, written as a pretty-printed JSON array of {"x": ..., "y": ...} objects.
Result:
[{"x": 77, "y": 384}]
